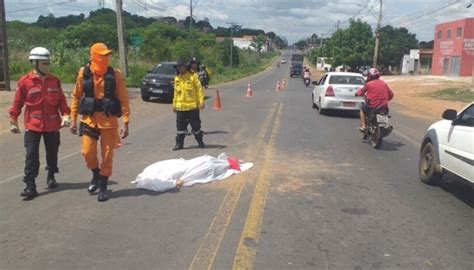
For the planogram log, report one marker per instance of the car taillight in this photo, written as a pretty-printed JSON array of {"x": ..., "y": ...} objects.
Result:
[{"x": 330, "y": 91}]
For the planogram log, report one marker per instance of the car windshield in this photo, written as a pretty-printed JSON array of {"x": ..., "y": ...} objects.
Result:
[
  {"x": 164, "y": 69},
  {"x": 341, "y": 79}
]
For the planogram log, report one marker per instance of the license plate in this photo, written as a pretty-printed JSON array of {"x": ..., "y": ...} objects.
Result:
[
  {"x": 158, "y": 91},
  {"x": 382, "y": 119},
  {"x": 349, "y": 104}
]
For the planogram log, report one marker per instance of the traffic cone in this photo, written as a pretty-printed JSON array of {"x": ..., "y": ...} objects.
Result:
[
  {"x": 249, "y": 90},
  {"x": 217, "y": 101},
  {"x": 278, "y": 87}
]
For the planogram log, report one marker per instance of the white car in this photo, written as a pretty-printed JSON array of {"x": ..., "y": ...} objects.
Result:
[
  {"x": 336, "y": 91},
  {"x": 449, "y": 146},
  {"x": 283, "y": 61}
]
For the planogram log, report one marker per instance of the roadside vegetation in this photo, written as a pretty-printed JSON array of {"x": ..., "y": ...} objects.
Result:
[
  {"x": 461, "y": 94},
  {"x": 149, "y": 41}
]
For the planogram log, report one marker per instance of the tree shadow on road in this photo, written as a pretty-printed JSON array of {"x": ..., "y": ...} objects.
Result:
[
  {"x": 460, "y": 188},
  {"x": 135, "y": 192}
]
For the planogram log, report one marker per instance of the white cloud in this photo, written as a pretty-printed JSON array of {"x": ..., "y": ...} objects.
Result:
[{"x": 293, "y": 19}]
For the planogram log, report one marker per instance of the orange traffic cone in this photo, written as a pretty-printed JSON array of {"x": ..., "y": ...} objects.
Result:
[
  {"x": 249, "y": 90},
  {"x": 278, "y": 87},
  {"x": 217, "y": 101}
]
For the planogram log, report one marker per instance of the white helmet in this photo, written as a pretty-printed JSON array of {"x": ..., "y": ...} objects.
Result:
[{"x": 39, "y": 53}]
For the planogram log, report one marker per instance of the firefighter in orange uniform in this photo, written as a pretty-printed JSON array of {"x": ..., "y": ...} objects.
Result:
[{"x": 101, "y": 97}]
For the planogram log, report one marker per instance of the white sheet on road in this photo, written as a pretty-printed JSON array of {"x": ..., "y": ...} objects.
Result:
[{"x": 164, "y": 175}]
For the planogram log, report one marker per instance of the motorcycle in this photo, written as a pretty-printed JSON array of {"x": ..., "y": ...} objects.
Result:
[
  {"x": 204, "y": 78},
  {"x": 378, "y": 126},
  {"x": 307, "y": 81}
]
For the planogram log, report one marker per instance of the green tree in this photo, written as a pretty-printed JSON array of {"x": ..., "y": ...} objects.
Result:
[
  {"x": 301, "y": 45},
  {"x": 88, "y": 33},
  {"x": 224, "y": 52},
  {"x": 394, "y": 43},
  {"x": 259, "y": 42},
  {"x": 352, "y": 46}
]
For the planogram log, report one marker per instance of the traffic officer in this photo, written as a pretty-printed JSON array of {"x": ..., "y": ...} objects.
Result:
[
  {"x": 188, "y": 100},
  {"x": 46, "y": 111},
  {"x": 101, "y": 98}
]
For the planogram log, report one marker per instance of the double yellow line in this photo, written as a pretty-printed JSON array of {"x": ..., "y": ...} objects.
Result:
[{"x": 245, "y": 256}]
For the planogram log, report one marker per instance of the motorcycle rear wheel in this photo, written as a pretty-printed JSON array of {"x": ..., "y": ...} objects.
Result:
[{"x": 377, "y": 138}]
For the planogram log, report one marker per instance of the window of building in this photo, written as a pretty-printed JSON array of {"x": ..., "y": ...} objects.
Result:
[
  {"x": 448, "y": 34},
  {"x": 459, "y": 32},
  {"x": 440, "y": 34}
]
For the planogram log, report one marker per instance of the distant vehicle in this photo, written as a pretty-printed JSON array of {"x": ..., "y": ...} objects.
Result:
[
  {"x": 159, "y": 82},
  {"x": 336, "y": 91},
  {"x": 283, "y": 61},
  {"x": 296, "y": 70},
  {"x": 297, "y": 58},
  {"x": 448, "y": 146}
]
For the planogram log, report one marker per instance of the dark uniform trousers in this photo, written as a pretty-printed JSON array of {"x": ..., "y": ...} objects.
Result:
[
  {"x": 32, "y": 143},
  {"x": 183, "y": 118}
]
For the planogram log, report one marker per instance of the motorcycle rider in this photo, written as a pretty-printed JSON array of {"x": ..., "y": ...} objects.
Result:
[
  {"x": 188, "y": 100},
  {"x": 46, "y": 111},
  {"x": 307, "y": 75},
  {"x": 195, "y": 67},
  {"x": 377, "y": 95}
]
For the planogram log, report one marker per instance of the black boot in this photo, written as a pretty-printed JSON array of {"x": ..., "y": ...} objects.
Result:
[
  {"x": 179, "y": 142},
  {"x": 30, "y": 191},
  {"x": 198, "y": 138},
  {"x": 103, "y": 196},
  {"x": 51, "y": 181},
  {"x": 94, "y": 185}
]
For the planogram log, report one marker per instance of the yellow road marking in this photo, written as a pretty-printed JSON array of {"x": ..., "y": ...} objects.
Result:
[
  {"x": 247, "y": 249},
  {"x": 205, "y": 255}
]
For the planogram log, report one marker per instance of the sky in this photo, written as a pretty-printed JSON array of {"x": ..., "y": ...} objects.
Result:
[{"x": 292, "y": 19}]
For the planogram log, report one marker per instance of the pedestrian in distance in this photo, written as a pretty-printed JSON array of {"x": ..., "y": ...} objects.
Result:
[
  {"x": 101, "y": 97},
  {"x": 46, "y": 112},
  {"x": 188, "y": 100}
]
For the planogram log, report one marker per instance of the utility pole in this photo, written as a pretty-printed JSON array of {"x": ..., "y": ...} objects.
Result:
[
  {"x": 232, "y": 26},
  {"x": 121, "y": 40},
  {"x": 4, "y": 68},
  {"x": 377, "y": 36},
  {"x": 191, "y": 26}
]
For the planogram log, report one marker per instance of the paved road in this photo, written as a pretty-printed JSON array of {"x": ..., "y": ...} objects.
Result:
[{"x": 318, "y": 197}]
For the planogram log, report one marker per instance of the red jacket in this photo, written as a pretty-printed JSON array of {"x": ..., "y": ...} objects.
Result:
[
  {"x": 377, "y": 93},
  {"x": 44, "y": 102}
]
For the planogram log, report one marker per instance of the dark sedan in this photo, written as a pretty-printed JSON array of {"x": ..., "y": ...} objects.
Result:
[{"x": 159, "y": 82}]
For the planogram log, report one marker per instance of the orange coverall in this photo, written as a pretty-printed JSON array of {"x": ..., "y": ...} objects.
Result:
[{"x": 107, "y": 125}]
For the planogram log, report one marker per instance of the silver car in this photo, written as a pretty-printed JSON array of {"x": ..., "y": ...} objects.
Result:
[{"x": 336, "y": 91}]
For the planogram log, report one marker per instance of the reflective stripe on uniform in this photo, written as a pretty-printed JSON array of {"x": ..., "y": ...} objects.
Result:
[
  {"x": 180, "y": 132},
  {"x": 197, "y": 132}
]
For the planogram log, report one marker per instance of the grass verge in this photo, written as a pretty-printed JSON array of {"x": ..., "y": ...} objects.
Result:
[{"x": 461, "y": 94}]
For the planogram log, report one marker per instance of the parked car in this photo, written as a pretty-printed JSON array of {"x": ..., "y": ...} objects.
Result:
[
  {"x": 296, "y": 70},
  {"x": 336, "y": 91},
  {"x": 449, "y": 146},
  {"x": 283, "y": 61},
  {"x": 159, "y": 82}
]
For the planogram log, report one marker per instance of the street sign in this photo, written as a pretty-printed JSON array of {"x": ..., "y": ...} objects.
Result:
[{"x": 137, "y": 40}]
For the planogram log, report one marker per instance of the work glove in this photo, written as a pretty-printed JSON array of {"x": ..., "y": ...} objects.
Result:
[
  {"x": 66, "y": 121},
  {"x": 14, "y": 127}
]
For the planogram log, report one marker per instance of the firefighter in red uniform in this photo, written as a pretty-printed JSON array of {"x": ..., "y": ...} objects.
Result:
[{"x": 46, "y": 111}]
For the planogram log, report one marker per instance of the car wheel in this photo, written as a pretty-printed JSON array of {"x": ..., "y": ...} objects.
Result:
[
  {"x": 321, "y": 110},
  {"x": 314, "y": 104},
  {"x": 427, "y": 165},
  {"x": 145, "y": 98}
]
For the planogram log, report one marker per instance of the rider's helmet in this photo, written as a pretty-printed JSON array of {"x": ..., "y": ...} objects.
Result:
[
  {"x": 374, "y": 74},
  {"x": 39, "y": 53}
]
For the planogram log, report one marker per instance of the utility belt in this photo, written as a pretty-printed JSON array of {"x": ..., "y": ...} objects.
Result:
[
  {"x": 90, "y": 105},
  {"x": 84, "y": 129}
]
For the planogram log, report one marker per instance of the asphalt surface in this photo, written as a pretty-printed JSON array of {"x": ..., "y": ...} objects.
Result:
[{"x": 318, "y": 197}]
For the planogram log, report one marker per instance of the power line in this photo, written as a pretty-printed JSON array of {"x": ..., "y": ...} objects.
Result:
[{"x": 43, "y": 6}]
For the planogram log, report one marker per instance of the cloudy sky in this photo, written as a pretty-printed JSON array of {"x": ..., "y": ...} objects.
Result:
[{"x": 293, "y": 19}]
